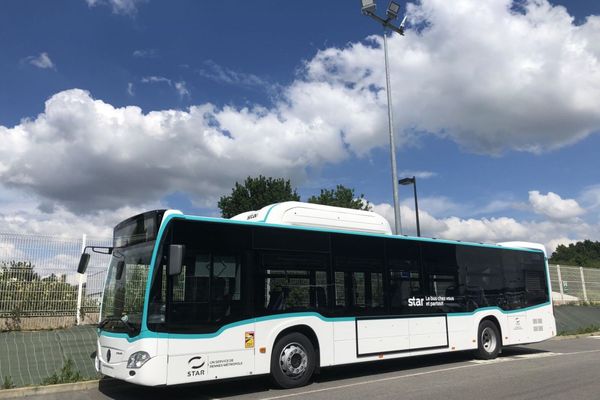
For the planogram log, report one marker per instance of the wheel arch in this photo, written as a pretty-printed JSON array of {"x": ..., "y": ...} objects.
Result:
[{"x": 309, "y": 333}]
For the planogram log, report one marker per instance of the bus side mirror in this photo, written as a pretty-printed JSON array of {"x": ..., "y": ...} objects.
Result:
[
  {"x": 176, "y": 254},
  {"x": 120, "y": 268},
  {"x": 83, "y": 263}
]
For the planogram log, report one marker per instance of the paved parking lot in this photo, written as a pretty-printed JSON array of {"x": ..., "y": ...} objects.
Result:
[{"x": 557, "y": 369}]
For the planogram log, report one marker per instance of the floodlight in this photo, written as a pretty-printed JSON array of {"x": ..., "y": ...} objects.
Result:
[
  {"x": 407, "y": 181},
  {"x": 368, "y": 6},
  {"x": 392, "y": 10}
]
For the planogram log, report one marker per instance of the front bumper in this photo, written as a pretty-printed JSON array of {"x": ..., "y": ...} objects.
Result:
[{"x": 152, "y": 373}]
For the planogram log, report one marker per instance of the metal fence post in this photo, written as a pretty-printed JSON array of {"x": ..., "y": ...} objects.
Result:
[
  {"x": 560, "y": 283},
  {"x": 80, "y": 288},
  {"x": 585, "y": 297}
]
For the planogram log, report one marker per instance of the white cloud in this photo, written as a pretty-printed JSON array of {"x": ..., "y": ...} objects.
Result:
[
  {"x": 182, "y": 89},
  {"x": 492, "y": 230},
  {"x": 130, "y": 89},
  {"x": 122, "y": 7},
  {"x": 481, "y": 74},
  {"x": 213, "y": 71},
  {"x": 84, "y": 154},
  {"x": 180, "y": 86},
  {"x": 553, "y": 206},
  {"x": 156, "y": 79},
  {"x": 591, "y": 197},
  {"x": 42, "y": 61},
  {"x": 418, "y": 174},
  {"x": 145, "y": 53}
]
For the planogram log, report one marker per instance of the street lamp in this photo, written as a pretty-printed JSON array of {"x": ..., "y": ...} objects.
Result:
[
  {"x": 368, "y": 9},
  {"x": 413, "y": 181}
]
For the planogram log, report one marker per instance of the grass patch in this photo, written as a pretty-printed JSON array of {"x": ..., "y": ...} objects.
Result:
[
  {"x": 67, "y": 374},
  {"x": 580, "y": 331},
  {"x": 7, "y": 382}
]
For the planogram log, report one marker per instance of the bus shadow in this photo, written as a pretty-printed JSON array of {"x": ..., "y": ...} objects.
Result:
[{"x": 119, "y": 390}]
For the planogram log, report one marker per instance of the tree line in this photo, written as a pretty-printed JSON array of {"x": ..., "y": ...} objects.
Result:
[{"x": 255, "y": 193}]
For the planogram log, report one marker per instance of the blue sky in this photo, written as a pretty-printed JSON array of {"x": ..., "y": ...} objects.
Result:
[{"x": 110, "y": 107}]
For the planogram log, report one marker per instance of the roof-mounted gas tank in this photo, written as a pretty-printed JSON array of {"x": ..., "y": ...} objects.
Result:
[{"x": 318, "y": 216}]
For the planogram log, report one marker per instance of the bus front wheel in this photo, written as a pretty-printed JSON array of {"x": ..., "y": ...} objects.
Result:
[
  {"x": 293, "y": 361},
  {"x": 489, "y": 341}
]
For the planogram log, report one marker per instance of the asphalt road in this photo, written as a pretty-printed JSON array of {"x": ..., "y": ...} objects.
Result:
[{"x": 565, "y": 369}]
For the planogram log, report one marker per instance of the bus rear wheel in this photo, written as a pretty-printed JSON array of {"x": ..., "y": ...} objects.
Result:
[
  {"x": 293, "y": 361},
  {"x": 489, "y": 341}
]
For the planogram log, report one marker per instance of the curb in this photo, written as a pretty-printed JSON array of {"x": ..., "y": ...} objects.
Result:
[
  {"x": 575, "y": 336},
  {"x": 49, "y": 389}
]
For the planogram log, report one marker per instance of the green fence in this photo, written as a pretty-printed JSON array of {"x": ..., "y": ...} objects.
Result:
[{"x": 28, "y": 358}]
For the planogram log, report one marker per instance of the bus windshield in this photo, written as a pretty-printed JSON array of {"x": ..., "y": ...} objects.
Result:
[{"x": 123, "y": 300}]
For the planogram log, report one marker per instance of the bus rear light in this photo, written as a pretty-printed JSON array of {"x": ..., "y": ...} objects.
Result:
[{"x": 262, "y": 350}]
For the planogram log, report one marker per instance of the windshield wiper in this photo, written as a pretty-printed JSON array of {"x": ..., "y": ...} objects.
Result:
[{"x": 122, "y": 320}]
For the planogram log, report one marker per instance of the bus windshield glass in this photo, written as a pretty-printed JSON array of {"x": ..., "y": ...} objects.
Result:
[{"x": 123, "y": 301}]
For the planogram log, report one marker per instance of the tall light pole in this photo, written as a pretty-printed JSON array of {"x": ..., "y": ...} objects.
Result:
[
  {"x": 408, "y": 181},
  {"x": 368, "y": 9}
]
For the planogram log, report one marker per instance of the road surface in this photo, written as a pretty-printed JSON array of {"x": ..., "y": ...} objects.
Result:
[{"x": 565, "y": 369}]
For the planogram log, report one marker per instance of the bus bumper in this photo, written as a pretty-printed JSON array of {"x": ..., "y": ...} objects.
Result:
[{"x": 152, "y": 373}]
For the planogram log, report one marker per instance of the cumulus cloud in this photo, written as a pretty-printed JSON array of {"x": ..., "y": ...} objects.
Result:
[
  {"x": 145, "y": 53},
  {"x": 122, "y": 7},
  {"x": 553, "y": 206},
  {"x": 551, "y": 233},
  {"x": 85, "y": 154},
  {"x": 486, "y": 76},
  {"x": 42, "y": 61}
]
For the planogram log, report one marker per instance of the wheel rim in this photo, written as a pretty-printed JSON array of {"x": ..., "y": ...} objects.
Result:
[
  {"x": 293, "y": 360},
  {"x": 488, "y": 339}
]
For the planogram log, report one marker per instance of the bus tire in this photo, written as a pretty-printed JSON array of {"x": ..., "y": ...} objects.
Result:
[
  {"x": 489, "y": 341},
  {"x": 293, "y": 361}
]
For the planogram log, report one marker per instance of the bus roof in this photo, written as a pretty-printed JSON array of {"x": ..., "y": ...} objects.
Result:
[{"x": 284, "y": 217}]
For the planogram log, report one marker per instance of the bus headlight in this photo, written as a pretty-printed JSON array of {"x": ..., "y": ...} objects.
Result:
[{"x": 138, "y": 359}]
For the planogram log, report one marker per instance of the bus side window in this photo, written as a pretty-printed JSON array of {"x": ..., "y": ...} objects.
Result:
[
  {"x": 485, "y": 276},
  {"x": 292, "y": 282},
  {"x": 405, "y": 275}
]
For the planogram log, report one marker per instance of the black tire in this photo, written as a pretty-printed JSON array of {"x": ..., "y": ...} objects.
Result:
[
  {"x": 489, "y": 341},
  {"x": 293, "y": 361}
]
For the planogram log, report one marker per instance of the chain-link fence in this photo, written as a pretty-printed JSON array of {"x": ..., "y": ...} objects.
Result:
[
  {"x": 39, "y": 284},
  {"x": 575, "y": 284}
]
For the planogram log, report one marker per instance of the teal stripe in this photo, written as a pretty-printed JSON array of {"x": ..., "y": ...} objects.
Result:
[
  {"x": 520, "y": 310},
  {"x": 268, "y": 212},
  {"x": 146, "y": 334}
]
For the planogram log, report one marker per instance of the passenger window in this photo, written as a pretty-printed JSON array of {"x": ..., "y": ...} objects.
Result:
[
  {"x": 403, "y": 261},
  {"x": 358, "y": 275},
  {"x": 485, "y": 277},
  {"x": 293, "y": 282}
]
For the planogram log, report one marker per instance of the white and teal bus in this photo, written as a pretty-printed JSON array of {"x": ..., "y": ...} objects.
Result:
[{"x": 294, "y": 287}]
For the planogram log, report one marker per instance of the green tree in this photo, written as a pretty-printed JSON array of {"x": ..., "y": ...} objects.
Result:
[
  {"x": 584, "y": 254},
  {"x": 341, "y": 196},
  {"x": 256, "y": 193}
]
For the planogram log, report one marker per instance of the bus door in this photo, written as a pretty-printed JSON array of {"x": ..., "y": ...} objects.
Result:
[{"x": 206, "y": 338}]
